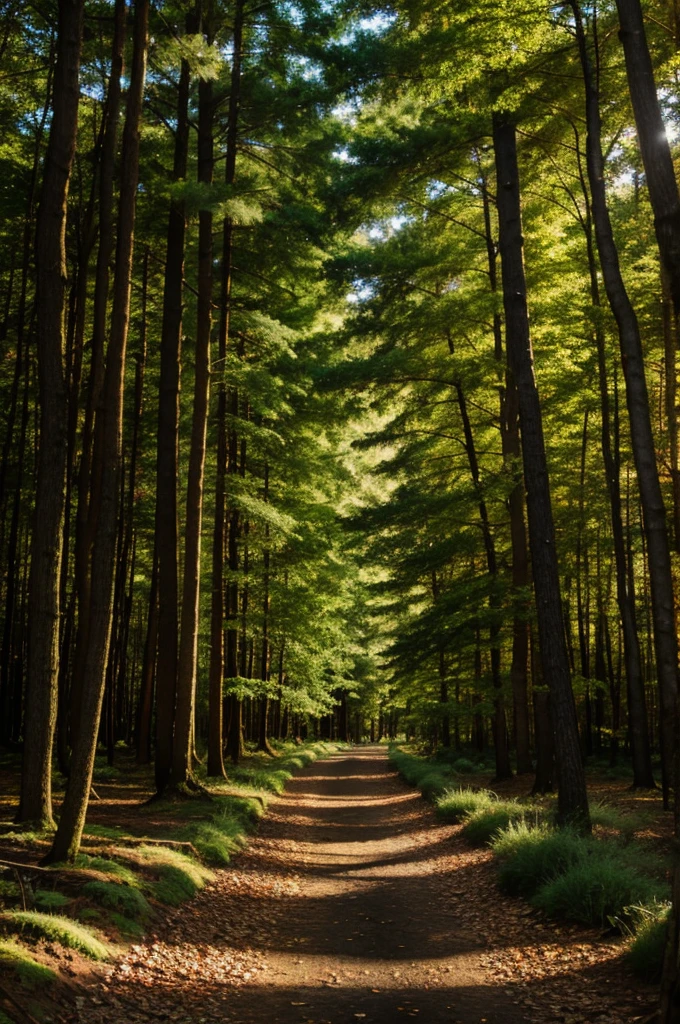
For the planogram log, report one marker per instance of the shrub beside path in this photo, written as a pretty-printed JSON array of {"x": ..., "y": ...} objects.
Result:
[{"x": 354, "y": 903}]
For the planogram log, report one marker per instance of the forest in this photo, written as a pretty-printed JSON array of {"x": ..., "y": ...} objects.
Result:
[{"x": 339, "y": 404}]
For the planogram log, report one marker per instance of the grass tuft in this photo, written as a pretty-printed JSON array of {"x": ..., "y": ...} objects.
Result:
[
  {"x": 610, "y": 818},
  {"x": 648, "y": 943},
  {"x": 483, "y": 825},
  {"x": 456, "y": 804},
  {"x": 123, "y": 898},
  {"x": 54, "y": 928},
  {"x": 530, "y": 857},
  {"x": 595, "y": 889},
  {"x": 108, "y": 867},
  {"x": 29, "y": 972},
  {"x": 48, "y": 900}
]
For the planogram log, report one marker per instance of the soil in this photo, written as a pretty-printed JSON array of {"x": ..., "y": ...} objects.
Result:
[{"x": 354, "y": 903}]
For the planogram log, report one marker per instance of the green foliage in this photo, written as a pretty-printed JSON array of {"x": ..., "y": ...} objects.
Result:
[
  {"x": 119, "y": 897},
  {"x": 127, "y": 927},
  {"x": 178, "y": 877},
  {"x": 108, "y": 867},
  {"x": 647, "y": 943},
  {"x": 484, "y": 824},
  {"x": 596, "y": 888},
  {"x": 529, "y": 856},
  {"x": 431, "y": 779},
  {"x": 457, "y": 804},
  {"x": 57, "y": 929},
  {"x": 49, "y": 900},
  {"x": 29, "y": 972}
]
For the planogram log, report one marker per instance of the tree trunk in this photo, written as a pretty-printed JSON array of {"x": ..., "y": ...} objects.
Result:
[
  {"x": 167, "y": 469},
  {"x": 188, "y": 648},
  {"x": 510, "y": 444},
  {"x": 644, "y": 450},
  {"x": 46, "y": 550},
  {"x": 500, "y": 732},
  {"x": 654, "y": 146},
  {"x": 215, "y": 756},
  {"x": 87, "y": 485},
  {"x": 625, "y": 596},
  {"x": 572, "y": 795},
  {"x": 110, "y": 424}
]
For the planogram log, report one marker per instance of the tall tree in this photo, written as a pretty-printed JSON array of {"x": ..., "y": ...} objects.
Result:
[
  {"x": 46, "y": 546},
  {"x": 642, "y": 438},
  {"x": 109, "y": 425},
  {"x": 572, "y": 795}
]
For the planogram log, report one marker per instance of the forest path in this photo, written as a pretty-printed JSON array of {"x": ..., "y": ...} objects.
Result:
[{"x": 344, "y": 908}]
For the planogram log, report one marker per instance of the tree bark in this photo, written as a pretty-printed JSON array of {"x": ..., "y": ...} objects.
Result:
[
  {"x": 500, "y": 734},
  {"x": 110, "y": 424},
  {"x": 654, "y": 146},
  {"x": 510, "y": 444},
  {"x": 46, "y": 549},
  {"x": 87, "y": 486},
  {"x": 572, "y": 795},
  {"x": 215, "y": 722},
  {"x": 167, "y": 467},
  {"x": 188, "y": 649}
]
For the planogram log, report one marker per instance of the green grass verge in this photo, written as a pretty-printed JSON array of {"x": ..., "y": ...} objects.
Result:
[
  {"x": 429, "y": 777},
  {"x": 55, "y": 928},
  {"x": 589, "y": 880},
  {"x": 178, "y": 876},
  {"x": 216, "y": 826},
  {"x": 28, "y": 971}
]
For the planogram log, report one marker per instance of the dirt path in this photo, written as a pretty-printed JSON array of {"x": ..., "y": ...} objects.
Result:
[
  {"x": 352, "y": 904},
  {"x": 339, "y": 912}
]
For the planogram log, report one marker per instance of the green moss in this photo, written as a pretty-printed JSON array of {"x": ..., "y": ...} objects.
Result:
[
  {"x": 54, "y": 928},
  {"x": 29, "y": 972},
  {"x": 115, "y": 896},
  {"x": 108, "y": 867},
  {"x": 178, "y": 877},
  {"x": 131, "y": 929},
  {"x": 9, "y": 891},
  {"x": 46, "y": 899},
  {"x": 88, "y": 914}
]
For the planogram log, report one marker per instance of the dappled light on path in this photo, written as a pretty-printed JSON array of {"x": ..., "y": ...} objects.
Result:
[{"x": 352, "y": 904}]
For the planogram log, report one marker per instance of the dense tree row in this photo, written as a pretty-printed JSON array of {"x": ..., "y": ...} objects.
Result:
[{"x": 275, "y": 451}]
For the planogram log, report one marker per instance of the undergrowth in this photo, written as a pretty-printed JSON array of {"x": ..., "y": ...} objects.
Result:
[
  {"x": 56, "y": 928},
  {"x": 28, "y": 971},
  {"x": 597, "y": 880},
  {"x": 134, "y": 874},
  {"x": 647, "y": 939}
]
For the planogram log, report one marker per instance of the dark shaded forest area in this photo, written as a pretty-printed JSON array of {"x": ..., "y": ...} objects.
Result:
[{"x": 339, "y": 402}]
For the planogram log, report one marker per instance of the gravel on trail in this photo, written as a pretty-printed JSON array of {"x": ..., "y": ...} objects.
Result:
[{"x": 355, "y": 904}]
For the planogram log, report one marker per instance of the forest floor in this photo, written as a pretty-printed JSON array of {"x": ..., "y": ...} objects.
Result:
[{"x": 355, "y": 903}]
